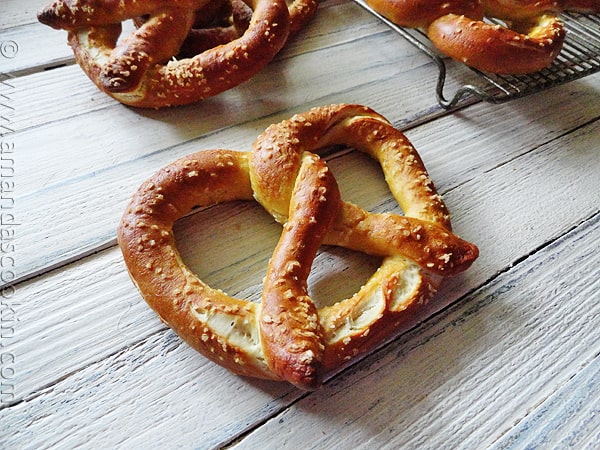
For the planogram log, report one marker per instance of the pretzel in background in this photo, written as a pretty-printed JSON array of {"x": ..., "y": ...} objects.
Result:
[
  {"x": 530, "y": 39},
  {"x": 157, "y": 64}
]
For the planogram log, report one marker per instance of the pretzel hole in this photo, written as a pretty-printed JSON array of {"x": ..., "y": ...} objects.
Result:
[
  {"x": 338, "y": 273},
  {"x": 128, "y": 27},
  {"x": 228, "y": 246},
  {"x": 361, "y": 181}
]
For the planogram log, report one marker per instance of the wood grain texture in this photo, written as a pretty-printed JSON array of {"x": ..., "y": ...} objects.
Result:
[
  {"x": 505, "y": 357},
  {"x": 111, "y": 328},
  {"x": 459, "y": 380},
  {"x": 120, "y": 160},
  {"x": 16, "y": 13}
]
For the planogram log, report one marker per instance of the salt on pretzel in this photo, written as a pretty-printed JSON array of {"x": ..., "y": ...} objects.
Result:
[
  {"x": 421, "y": 238},
  {"x": 287, "y": 337},
  {"x": 216, "y": 23},
  {"x": 222, "y": 21},
  {"x": 140, "y": 69}
]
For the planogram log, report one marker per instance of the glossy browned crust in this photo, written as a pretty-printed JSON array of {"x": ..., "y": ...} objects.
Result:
[
  {"x": 287, "y": 337},
  {"x": 157, "y": 65},
  {"x": 528, "y": 47},
  {"x": 290, "y": 330},
  {"x": 216, "y": 27},
  {"x": 222, "y": 21},
  {"x": 422, "y": 234},
  {"x": 524, "y": 9},
  {"x": 73, "y": 14},
  {"x": 530, "y": 42},
  {"x": 301, "y": 12}
]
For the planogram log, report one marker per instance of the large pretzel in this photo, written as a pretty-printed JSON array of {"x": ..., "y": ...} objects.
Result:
[
  {"x": 287, "y": 337},
  {"x": 532, "y": 38},
  {"x": 141, "y": 69}
]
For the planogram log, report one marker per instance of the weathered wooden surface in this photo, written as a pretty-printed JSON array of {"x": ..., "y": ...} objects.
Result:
[{"x": 505, "y": 357}]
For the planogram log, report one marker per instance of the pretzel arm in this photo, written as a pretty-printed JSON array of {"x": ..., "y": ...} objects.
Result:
[
  {"x": 402, "y": 166},
  {"x": 222, "y": 328},
  {"x": 431, "y": 246},
  {"x": 420, "y": 13},
  {"x": 291, "y": 334},
  {"x": 159, "y": 38},
  {"x": 301, "y": 11},
  {"x": 423, "y": 234},
  {"x": 202, "y": 37}
]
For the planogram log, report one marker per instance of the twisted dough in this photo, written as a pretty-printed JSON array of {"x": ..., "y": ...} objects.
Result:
[
  {"x": 141, "y": 69},
  {"x": 286, "y": 337},
  {"x": 423, "y": 236},
  {"x": 532, "y": 38}
]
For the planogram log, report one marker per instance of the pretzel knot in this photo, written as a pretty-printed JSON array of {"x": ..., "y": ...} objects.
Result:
[
  {"x": 497, "y": 36},
  {"x": 286, "y": 336},
  {"x": 165, "y": 61}
]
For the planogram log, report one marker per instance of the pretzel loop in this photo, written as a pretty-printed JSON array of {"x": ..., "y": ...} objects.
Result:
[
  {"x": 275, "y": 161},
  {"x": 287, "y": 337}
]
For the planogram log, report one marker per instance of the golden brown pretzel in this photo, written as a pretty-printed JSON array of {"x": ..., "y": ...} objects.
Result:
[
  {"x": 216, "y": 23},
  {"x": 139, "y": 70},
  {"x": 528, "y": 46},
  {"x": 423, "y": 235},
  {"x": 530, "y": 41},
  {"x": 286, "y": 337},
  {"x": 222, "y": 328}
]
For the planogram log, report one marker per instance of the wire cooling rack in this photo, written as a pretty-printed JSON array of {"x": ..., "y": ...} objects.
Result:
[{"x": 579, "y": 57}]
